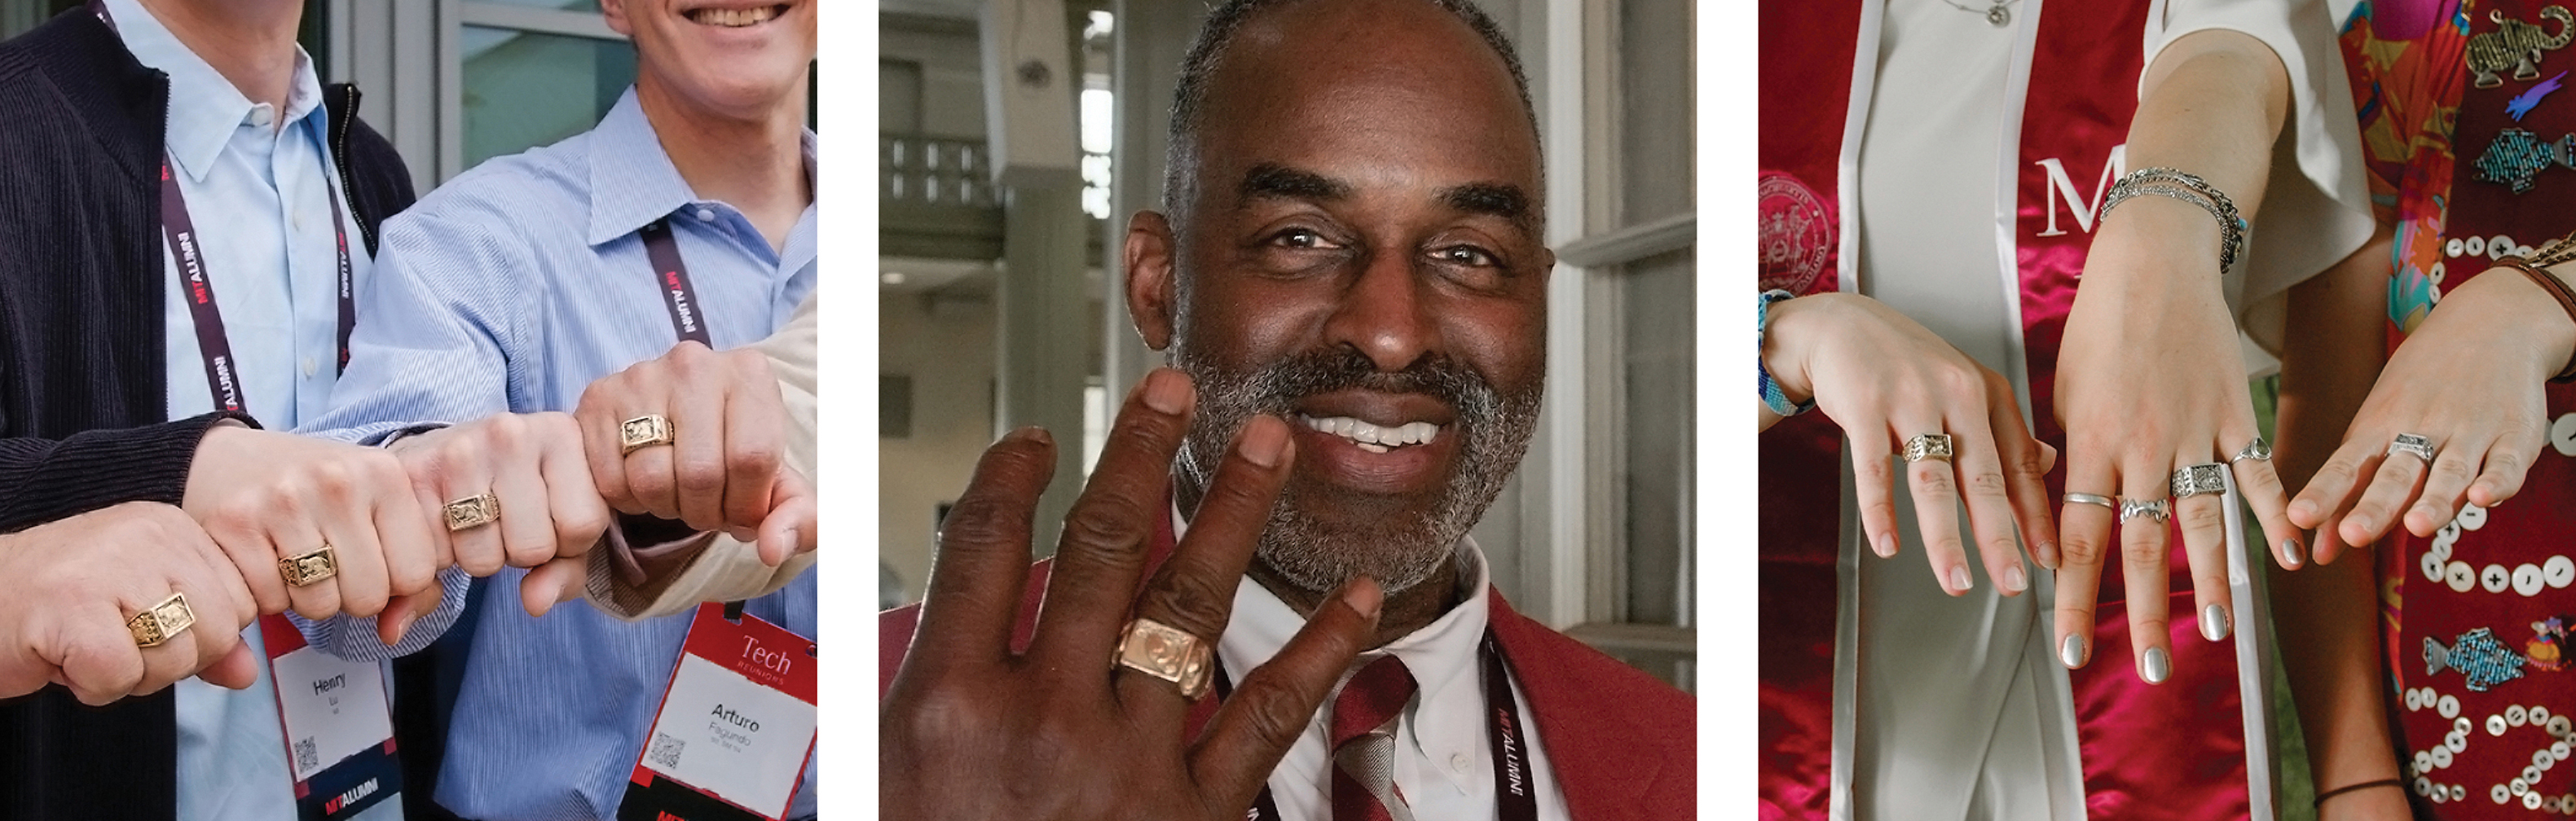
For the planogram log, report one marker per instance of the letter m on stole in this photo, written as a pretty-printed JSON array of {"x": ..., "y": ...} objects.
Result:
[{"x": 2062, "y": 186}]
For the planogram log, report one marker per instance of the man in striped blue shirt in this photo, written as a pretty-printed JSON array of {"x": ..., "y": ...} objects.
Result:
[{"x": 513, "y": 287}]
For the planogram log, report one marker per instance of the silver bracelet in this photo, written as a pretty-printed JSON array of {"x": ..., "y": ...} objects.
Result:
[{"x": 2167, "y": 182}]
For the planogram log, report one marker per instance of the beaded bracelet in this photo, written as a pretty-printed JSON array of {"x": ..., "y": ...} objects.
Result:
[
  {"x": 2167, "y": 182},
  {"x": 1772, "y": 397}
]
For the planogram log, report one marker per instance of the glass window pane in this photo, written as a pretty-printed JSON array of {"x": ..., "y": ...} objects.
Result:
[
  {"x": 1656, "y": 351},
  {"x": 524, "y": 90}
]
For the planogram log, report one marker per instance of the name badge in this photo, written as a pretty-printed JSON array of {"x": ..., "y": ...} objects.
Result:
[
  {"x": 736, "y": 726},
  {"x": 339, "y": 728}
]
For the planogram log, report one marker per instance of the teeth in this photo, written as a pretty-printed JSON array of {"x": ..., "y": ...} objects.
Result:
[
  {"x": 734, "y": 17},
  {"x": 1374, "y": 438}
]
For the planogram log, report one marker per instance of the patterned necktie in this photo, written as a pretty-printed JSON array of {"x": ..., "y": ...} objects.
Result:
[{"x": 1364, "y": 717}]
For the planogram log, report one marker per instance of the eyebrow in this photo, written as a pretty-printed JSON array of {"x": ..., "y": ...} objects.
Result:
[
  {"x": 1275, "y": 181},
  {"x": 1267, "y": 181}
]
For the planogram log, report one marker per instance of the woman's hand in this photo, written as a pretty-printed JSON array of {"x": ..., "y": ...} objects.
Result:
[
  {"x": 1886, "y": 379},
  {"x": 2471, "y": 380}
]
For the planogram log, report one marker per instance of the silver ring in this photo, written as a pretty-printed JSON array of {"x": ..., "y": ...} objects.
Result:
[
  {"x": 2196, "y": 480},
  {"x": 2260, "y": 451},
  {"x": 2074, "y": 498},
  {"x": 2160, "y": 510},
  {"x": 1928, "y": 446},
  {"x": 2420, "y": 447}
]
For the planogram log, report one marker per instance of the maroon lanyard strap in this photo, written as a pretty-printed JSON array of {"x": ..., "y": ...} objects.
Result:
[
  {"x": 664, "y": 252},
  {"x": 223, "y": 377},
  {"x": 1514, "y": 800}
]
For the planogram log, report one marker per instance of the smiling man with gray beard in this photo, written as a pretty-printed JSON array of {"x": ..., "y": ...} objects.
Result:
[{"x": 1349, "y": 281}]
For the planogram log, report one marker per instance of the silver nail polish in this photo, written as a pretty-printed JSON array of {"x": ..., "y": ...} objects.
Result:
[
  {"x": 2071, "y": 651},
  {"x": 2159, "y": 665},
  {"x": 2214, "y": 622},
  {"x": 2290, "y": 550}
]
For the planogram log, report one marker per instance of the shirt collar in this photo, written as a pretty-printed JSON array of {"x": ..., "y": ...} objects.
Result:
[
  {"x": 205, "y": 109},
  {"x": 1447, "y": 710},
  {"x": 632, "y": 180}
]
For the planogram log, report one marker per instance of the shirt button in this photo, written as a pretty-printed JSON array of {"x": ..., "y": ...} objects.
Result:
[
  {"x": 309, "y": 367},
  {"x": 2495, "y": 725},
  {"x": 706, "y": 215},
  {"x": 262, "y": 115},
  {"x": 2558, "y": 571},
  {"x": 2495, "y": 578},
  {"x": 1458, "y": 761}
]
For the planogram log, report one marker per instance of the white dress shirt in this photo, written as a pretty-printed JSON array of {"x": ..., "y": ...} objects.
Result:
[{"x": 1444, "y": 762}]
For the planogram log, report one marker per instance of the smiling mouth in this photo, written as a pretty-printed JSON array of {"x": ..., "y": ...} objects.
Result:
[
  {"x": 736, "y": 18},
  {"x": 1370, "y": 437}
]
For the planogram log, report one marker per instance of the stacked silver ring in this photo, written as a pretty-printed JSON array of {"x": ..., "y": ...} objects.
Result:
[
  {"x": 2075, "y": 498},
  {"x": 2160, "y": 510},
  {"x": 2414, "y": 444},
  {"x": 2195, "y": 480}
]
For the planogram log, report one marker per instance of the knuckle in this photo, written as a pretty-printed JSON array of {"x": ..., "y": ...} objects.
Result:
[
  {"x": 1986, "y": 483},
  {"x": 984, "y": 521},
  {"x": 1270, "y": 709},
  {"x": 2142, "y": 551},
  {"x": 1875, "y": 471},
  {"x": 1933, "y": 477},
  {"x": 698, "y": 475},
  {"x": 2080, "y": 550},
  {"x": 1190, "y": 601},
  {"x": 1109, "y": 524},
  {"x": 752, "y": 459},
  {"x": 2202, "y": 517}
]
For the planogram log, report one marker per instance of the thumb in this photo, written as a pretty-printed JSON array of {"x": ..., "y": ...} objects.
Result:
[
  {"x": 553, "y": 583},
  {"x": 235, "y": 670}
]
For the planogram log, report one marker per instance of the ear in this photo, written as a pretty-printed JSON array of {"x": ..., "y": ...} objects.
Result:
[
  {"x": 614, "y": 11},
  {"x": 1150, "y": 294}
]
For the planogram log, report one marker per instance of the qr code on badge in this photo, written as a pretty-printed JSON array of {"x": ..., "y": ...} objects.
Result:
[
  {"x": 666, "y": 750},
  {"x": 306, "y": 757}
]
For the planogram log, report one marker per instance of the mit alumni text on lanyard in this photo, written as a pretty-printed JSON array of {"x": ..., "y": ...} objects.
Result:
[
  {"x": 1514, "y": 798},
  {"x": 223, "y": 376}
]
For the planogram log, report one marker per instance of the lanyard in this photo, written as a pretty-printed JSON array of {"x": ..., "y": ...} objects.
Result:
[
  {"x": 673, "y": 275},
  {"x": 682, "y": 301},
  {"x": 213, "y": 345},
  {"x": 1513, "y": 798}
]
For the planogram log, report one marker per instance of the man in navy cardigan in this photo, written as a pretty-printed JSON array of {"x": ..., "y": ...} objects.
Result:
[{"x": 91, "y": 474}]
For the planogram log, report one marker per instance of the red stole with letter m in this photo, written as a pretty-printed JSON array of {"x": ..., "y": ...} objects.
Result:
[{"x": 2072, "y": 92}]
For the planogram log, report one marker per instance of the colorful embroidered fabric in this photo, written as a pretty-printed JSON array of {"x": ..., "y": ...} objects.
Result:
[{"x": 2474, "y": 618}]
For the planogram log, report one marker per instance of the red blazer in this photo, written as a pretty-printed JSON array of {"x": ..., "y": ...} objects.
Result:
[{"x": 1622, "y": 743}]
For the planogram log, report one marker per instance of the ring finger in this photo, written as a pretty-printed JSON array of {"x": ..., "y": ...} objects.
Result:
[
  {"x": 1934, "y": 486},
  {"x": 2390, "y": 487},
  {"x": 2083, "y": 547}
]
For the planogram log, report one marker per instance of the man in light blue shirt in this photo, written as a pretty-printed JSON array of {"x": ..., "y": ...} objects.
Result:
[{"x": 518, "y": 283}]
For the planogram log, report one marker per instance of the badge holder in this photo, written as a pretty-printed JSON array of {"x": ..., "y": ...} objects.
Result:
[
  {"x": 735, "y": 728},
  {"x": 339, "y": 727}
]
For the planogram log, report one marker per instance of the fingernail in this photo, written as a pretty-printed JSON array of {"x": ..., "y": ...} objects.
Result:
[
  {"x": 1166, "y": 391},
  {"x": 2290, "y": 554},
  {"x": 1886, "y": 546},
  {"x": 2071, "y": 651},
  {"x": 1031, "y": 433},
  {"x": 2013, "y": 579},
  {"x": 1959, "y": 579},
  {"x": 2158, "y": 665},
  {"x": 2213, "y": 622},
  {"x": 1265, "y": 441},
  {"x": 402, "y": 624},
  {"x": 2043, "y": 553},
  {"x": 1363, "y": 598}
]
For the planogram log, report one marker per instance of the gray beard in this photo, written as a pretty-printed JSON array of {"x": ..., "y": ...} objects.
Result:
[{"x": 1319, "y": 557}]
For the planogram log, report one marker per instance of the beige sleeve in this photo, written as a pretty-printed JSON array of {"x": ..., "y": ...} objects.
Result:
[
  {"x": 2316, "y": 206},
  {"x": 729, "y": 569}
]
